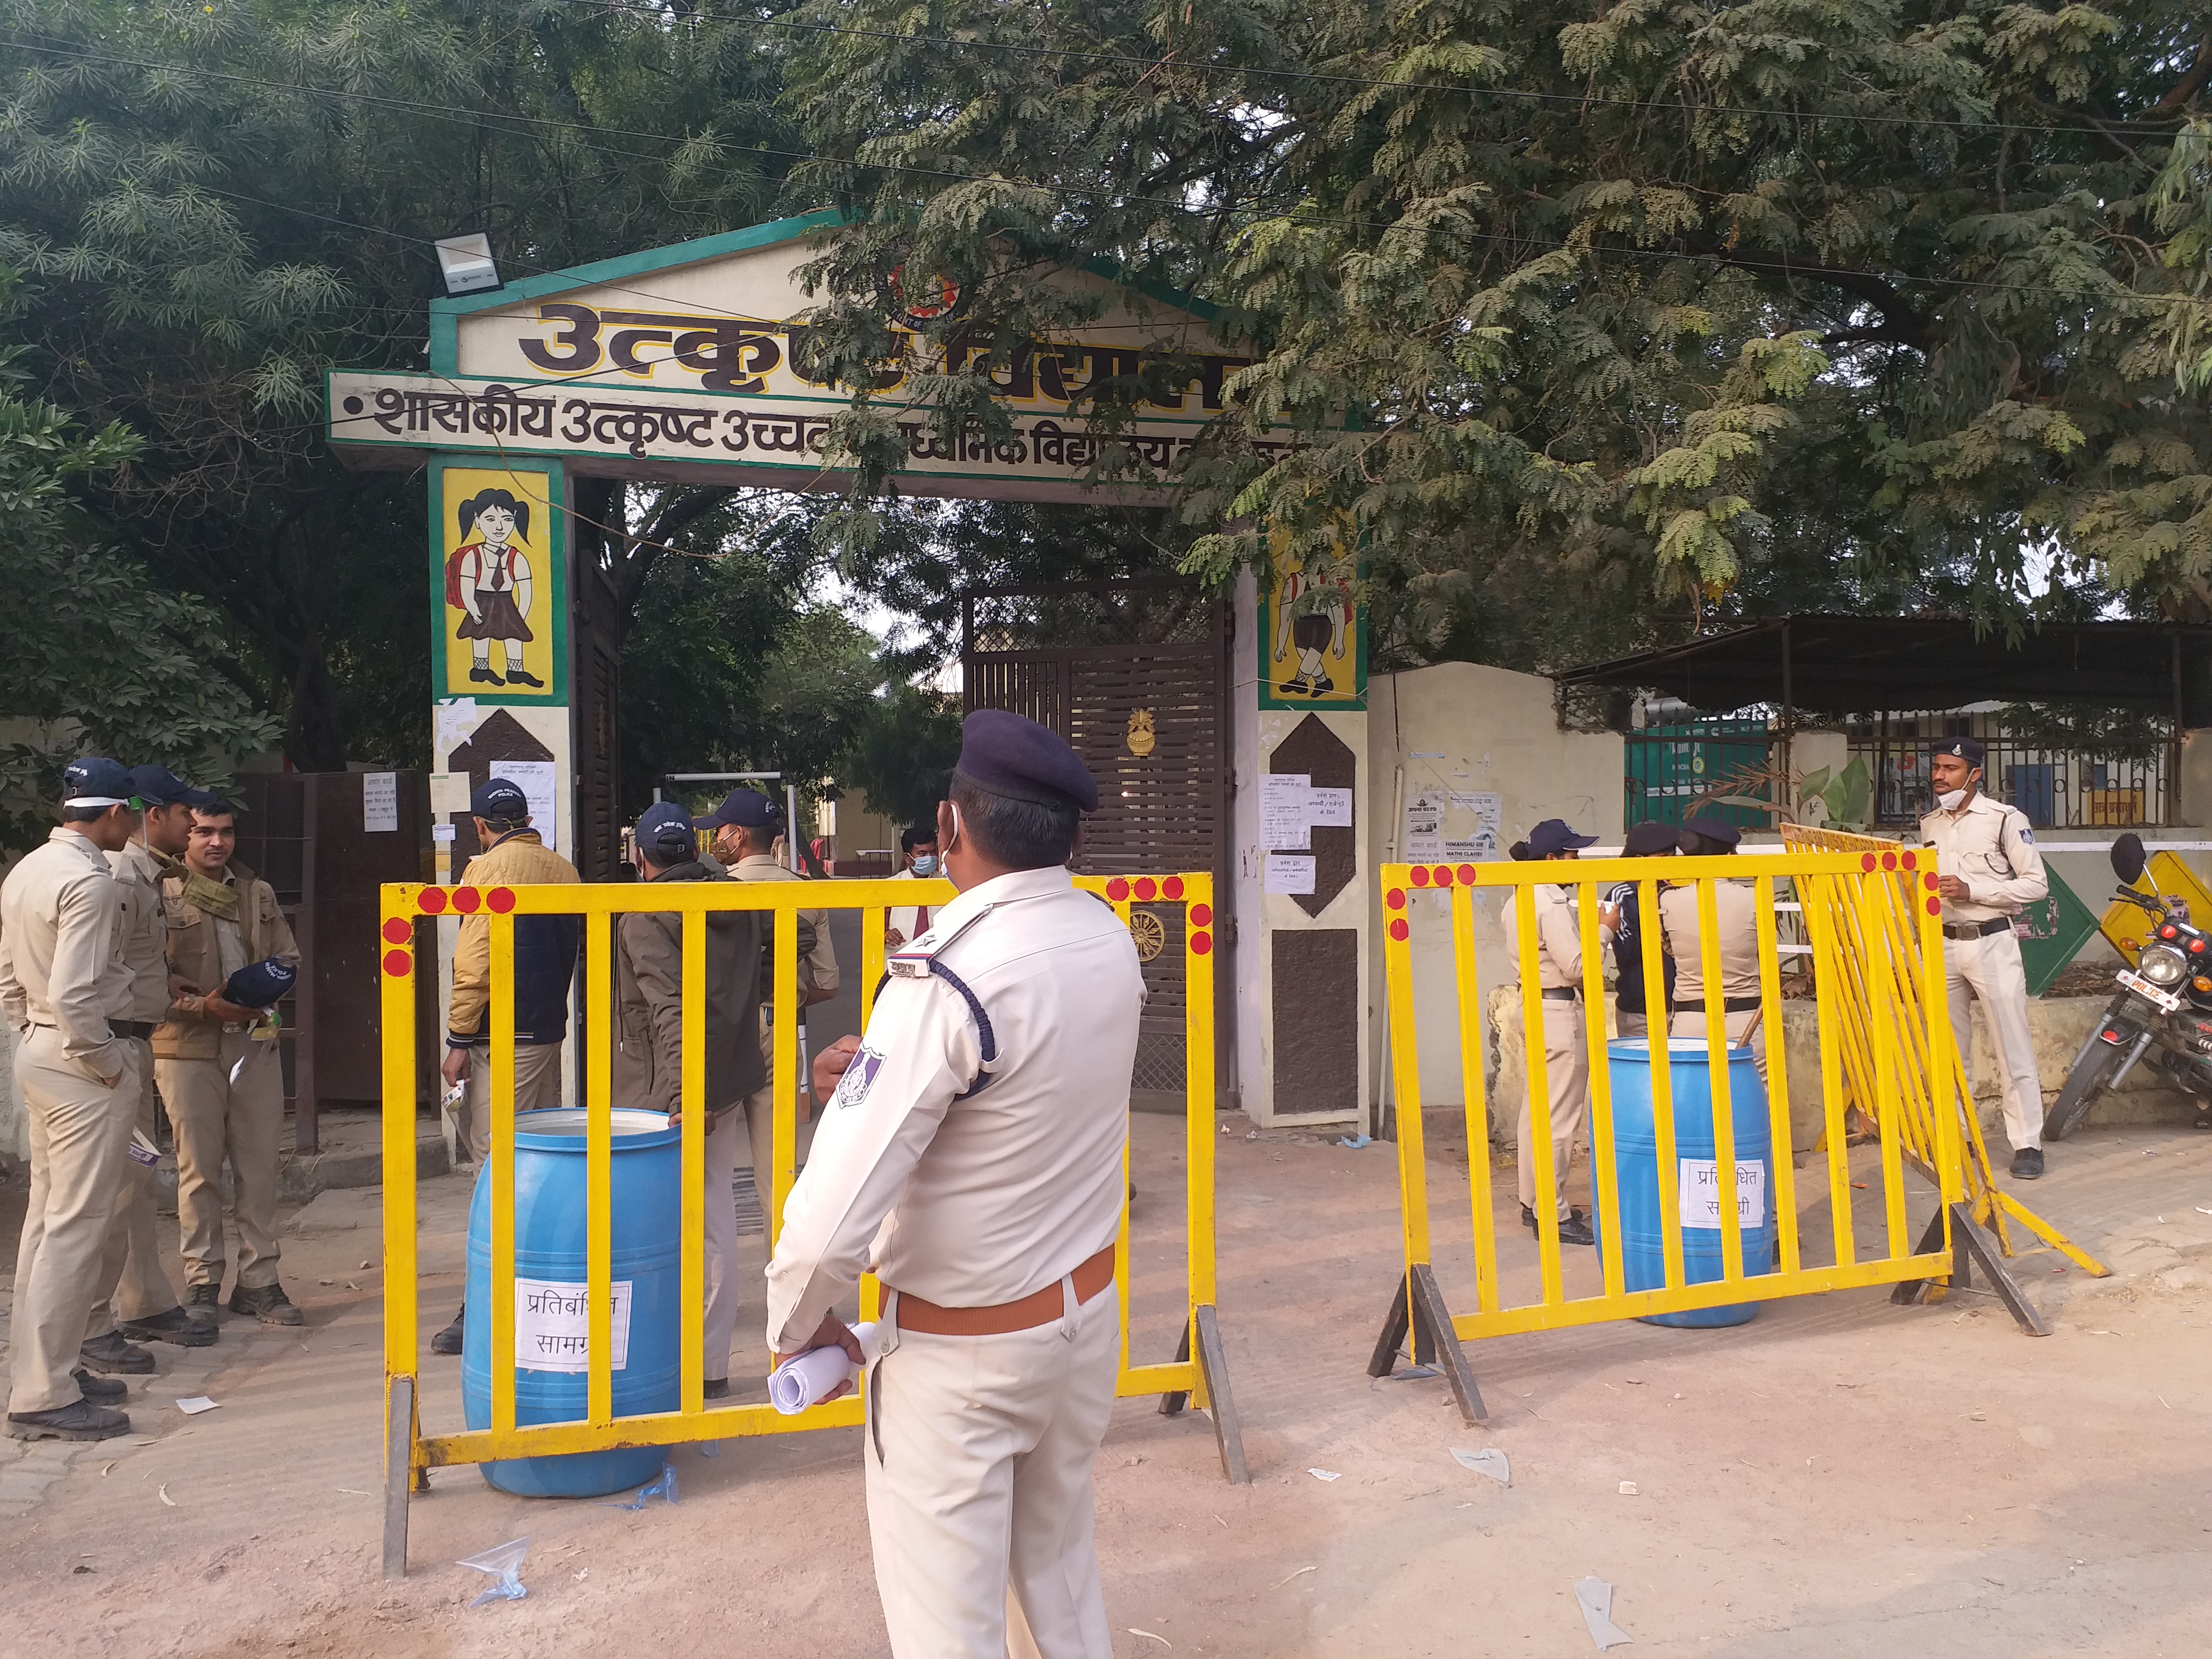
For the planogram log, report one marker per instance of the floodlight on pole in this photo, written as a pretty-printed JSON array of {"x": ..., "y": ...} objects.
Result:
[{"x": 467, "y": 264}]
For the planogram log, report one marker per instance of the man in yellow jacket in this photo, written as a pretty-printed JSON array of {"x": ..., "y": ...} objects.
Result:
[{"x": 514, "y": 855}]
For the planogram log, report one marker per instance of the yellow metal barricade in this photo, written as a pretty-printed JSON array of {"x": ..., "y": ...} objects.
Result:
[
  {"x": 1195, "y": 1374},
  {"x": 1880, "y": 1013}
]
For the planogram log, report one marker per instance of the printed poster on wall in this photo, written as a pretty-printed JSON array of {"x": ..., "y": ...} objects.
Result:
[{"x": 499, "y": 581}]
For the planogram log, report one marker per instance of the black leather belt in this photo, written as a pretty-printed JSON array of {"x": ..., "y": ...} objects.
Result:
[
  {"x": 1977, "y": 929},
  {"x": 1738, "y": 1005},
  {"x": 1560, "y": 994},
  {"x": 141, "y": 1028}
]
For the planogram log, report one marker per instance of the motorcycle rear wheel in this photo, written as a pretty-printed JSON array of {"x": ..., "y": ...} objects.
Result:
[{"x": 2083, "y": 1084}]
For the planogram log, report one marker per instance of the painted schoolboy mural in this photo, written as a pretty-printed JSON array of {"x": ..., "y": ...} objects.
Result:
[{"x": 498, "y": 591}]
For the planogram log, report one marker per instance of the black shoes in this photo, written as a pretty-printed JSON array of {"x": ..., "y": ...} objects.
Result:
[
  {"x": 519, "y": 676},
  {"x": 1574, "y": 1229},
  {"x": 486, "y": 676},
  {"x": 201, "y": 1302},
  {"x": 174, "y": 1326},
  {"x": 268, "y": 1303},
  {"x": 112, "y": 1353},
  {"x": 713, "y": 1387},
  {"x": 78, "y": 1420},
  {"x": 97, "y": 1389},
  {"x": 2027, "y": 1164},
  {"x": 449, "y": 1339}
]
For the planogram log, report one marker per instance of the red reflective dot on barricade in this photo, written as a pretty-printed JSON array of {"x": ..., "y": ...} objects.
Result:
[
  {"x": 431, "y": 900},
  {"x": 500, "y": 899},
  {"x": 1467, "y": 875},
  {"x": 1146, "y": 888},
  {"x": 1889, "y": 861},
  {"x": 465, "y": 900},
  {"x": 1442, "y": 875},
  {"x": 1932, "y": 881},
  {"x": 1909, "y": 861},
  {"x": 1200, "y": 943},
  {"x": 398, "y": 931},
  {"x": 1172, "y": 887},
  {"x": 399, "y": 964},
  {"x": 1201, "y": 915},
  {"x": 1395, "y": 898},
  {"x": 1866, "y": 860},
  {"x": 1117, "y": 890},
  {"x": 1934, "y": 907},
  {"x": 1398, "y": 928},
  {"x": 1420, "y": 875}
]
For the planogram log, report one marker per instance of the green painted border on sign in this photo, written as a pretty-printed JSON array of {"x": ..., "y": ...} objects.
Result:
[
  {"x": 2052, "y": 933},
  {"x": 554, "y": 547}
]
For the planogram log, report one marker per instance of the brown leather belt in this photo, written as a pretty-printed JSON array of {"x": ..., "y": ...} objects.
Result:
[
  {"x": 1988, "y": 929},
  {"x": 913, "y": 1313}
]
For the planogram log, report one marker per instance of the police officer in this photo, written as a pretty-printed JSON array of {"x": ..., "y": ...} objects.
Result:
[
  {"x": 745, "y": 829},
  {"x": 1735, "y": 920},
  {"x": 971, "y": 1157},
  {"x": 1631, "y": 1002},
  {"x": 134, "y": 1289},
  {"x": 64, "y": 986},
  {"x": 1987, "y": 869},
  {"x": 1566, "y": 1056}
]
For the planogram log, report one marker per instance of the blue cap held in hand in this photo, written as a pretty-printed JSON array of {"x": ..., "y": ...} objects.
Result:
[{"x": 261, "y": 984}]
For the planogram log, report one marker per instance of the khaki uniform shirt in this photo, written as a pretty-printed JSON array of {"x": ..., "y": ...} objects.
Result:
[
  {"x": 1989, "y": 847},
  {"x": 520, "y": 859},
  {"x": 818, "y": 969},
  {"x": 198, "y": 949},
  {"x": 61, "y": 950},
  {"x": 1558, "y": 937},
  {"x": 137, "y": 870},
  {"x": 1736, "y": 910},
  {"x": 974, "y": 1196}
]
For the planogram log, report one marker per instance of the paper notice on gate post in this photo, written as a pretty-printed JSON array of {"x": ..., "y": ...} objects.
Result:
[
  {"x": 1701, "y": 1194},
  {"x": 538, "y": 782},
  {"x": 1331, "y": 809},
  {"x": 553, "y": 1325},
  {"x": 1424, "y": 826},
  {"x": 1285, "y": 812},
  {"x": 1290, "y": 872},
  {"x": 380, "y": 802}
]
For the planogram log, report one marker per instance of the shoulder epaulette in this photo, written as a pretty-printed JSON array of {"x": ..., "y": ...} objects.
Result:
[{"x": 913, "y": 961}]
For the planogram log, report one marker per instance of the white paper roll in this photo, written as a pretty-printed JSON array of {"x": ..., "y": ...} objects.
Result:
[{"x": 806, "y": 1379}]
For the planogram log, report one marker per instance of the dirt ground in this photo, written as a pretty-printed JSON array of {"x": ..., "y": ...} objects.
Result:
[{"x": 1840, "y": 1477}]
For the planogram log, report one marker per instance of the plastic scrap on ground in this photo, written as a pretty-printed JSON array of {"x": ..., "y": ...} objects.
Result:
[
  {"x": 1489, "y": 1461},
  {"x": 1355, "y": 1141},
  {"x": 663, "y": 1487},
  {"x": 505, "y": 1561},
  {"x": 1594, "y": 1597},
  {"x": 1324, "y": 1474},
  {"x": 194, "y": 1404}
]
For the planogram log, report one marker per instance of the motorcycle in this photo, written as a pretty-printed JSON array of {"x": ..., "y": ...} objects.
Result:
[{"x": 2163, "y": 1008}]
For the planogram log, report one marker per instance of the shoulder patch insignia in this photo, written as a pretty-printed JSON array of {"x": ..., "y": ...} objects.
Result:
[
  {"x": 859, "y": 1077},
  {"x": 2028, "y": 834}
]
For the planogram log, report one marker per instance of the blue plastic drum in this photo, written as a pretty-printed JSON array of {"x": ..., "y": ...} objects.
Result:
[
  {"x": 1635, "y": 1172},
  {"x": 549, "y": 1309}
]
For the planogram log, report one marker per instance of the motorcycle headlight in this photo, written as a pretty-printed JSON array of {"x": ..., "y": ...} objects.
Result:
[{"x": 2162, "y": 965}]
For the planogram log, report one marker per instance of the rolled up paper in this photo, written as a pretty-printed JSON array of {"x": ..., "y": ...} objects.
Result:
[{"x": 807, "y": 1379}]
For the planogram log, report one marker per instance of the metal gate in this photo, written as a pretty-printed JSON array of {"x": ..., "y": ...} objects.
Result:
[
  {"x": 1673, "y": 771},
  {"x": 1134, "y": 674}
]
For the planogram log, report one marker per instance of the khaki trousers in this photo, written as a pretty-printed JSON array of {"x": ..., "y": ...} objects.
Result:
[
  {"x": 132, "y": 1285},
  {"x": 216, "y": 1118},
  {"x": 1989, "y": 970},
  {"x": 78, "y": 1128},
  {"x": 720, "y": 1258},
  {"x": 1566, "y": 1077},
  {"x": 1693, "y": 1025},
  {"x": 1627, "y": 1023},
  {"x": 760, "y": 1115},
  {"x": 537, "y": 1089},
  {"x": 981, "y": 1493}
]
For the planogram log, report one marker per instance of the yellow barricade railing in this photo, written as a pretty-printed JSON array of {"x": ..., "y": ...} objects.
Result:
[
  {"x": 1880, "y": 1012},
  {"x": 1196, "y": 1373}
]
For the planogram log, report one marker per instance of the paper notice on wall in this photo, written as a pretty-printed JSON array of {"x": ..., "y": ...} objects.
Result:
[
  {"x": 1286, "y": 811},
  {"x": 1425, "y": 826},
  {"x": 553, "y": 1326},
  {"x": 457, "y": 718},
  {"x": 539, "y": 783},
  {"x": 442, "y": 834},
  {"x": 1330, "y": 809},
  {"x": 380, "y": 802},
  {"x": 1701, "y": 1194},
  {"x": 1290, "y": 872},
  {"x": 449, "y": 794}
]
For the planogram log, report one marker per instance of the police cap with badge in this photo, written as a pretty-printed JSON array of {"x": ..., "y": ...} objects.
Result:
[{"x": 1968, "y": 750}]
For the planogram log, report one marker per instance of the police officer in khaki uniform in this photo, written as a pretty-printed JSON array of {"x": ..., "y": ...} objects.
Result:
[
  {"x": 65, "y": 988},
  {"x": 1566, "y": 1055},
  {"x": 744, "y": 828},
  {"x": 1735, "y": 918},
  {"x": 1987, "y": 870},
  {"x": 135, "y": 1290},
  {"x": 219, "y": 1073},
  {"x": 971, "y": 1157}
]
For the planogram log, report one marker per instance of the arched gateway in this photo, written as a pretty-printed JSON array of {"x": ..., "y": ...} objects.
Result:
[{"x": 690, "y": 363}]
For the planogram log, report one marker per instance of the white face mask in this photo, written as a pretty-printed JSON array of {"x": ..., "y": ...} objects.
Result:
[
  {"x": 1951, "y": 800},
  {"x": 924, "y": 864}
]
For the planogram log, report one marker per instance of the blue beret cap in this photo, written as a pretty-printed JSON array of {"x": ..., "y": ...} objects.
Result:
[
  {"x": 260, "y": 984},
  {"x": 749, "y": 809},
  {"x": 95, "y": 781},
  {"x": 1713, "y": 827},
  {"x": 664, "y": 829},
  {"x": 1020, "y": 759},
  {"x": 157, "y": 786},
  {"x": 1552, "y": 835},
  {"x": 496, "y": 798},
  {"x": 1968, "y": 750}
]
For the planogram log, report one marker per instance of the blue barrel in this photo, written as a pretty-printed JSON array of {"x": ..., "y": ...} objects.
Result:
[
  {"x": 1635, "y": 1168},
  {"x": 549, "y": 1246}
]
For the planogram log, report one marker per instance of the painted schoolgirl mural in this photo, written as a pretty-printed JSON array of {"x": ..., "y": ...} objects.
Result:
[
  {"x": 498, "y": 573},
  {"x": 490, "y": 577}
]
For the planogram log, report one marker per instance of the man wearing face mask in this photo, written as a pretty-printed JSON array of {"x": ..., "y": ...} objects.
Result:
[
  {"x": 1988, "y": 868},
  {"x": 918, "y": 859}
]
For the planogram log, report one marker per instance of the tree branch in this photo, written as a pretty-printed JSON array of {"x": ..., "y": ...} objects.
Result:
[
  {"x": 1900, "y": 322},
  {"x": 2190, "y": 84}
]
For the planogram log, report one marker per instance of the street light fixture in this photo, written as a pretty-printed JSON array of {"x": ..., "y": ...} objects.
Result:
[{"x": 467, "y": 264}]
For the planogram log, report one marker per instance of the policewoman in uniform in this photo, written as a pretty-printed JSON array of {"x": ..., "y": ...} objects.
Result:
[
  {"x": 971, "y": 1157},
  {"x": 1988, "y": 868}
]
